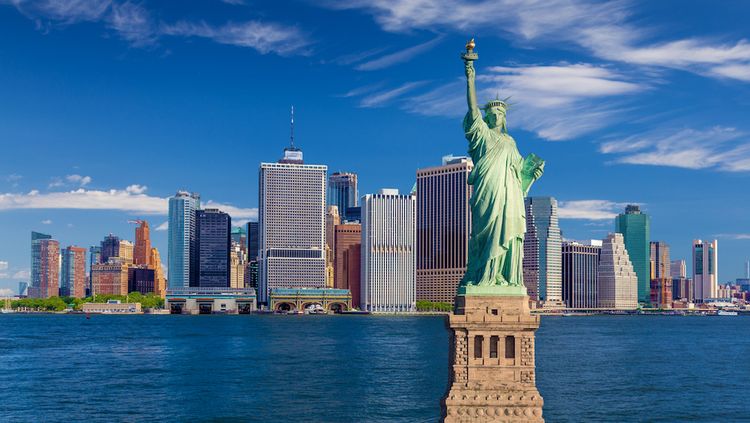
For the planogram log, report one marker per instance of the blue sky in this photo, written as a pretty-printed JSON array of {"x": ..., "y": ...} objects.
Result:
[{"x": 109, "y": 107}]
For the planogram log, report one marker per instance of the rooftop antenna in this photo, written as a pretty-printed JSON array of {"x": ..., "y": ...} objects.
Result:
[{"x": 291, "y": 129}]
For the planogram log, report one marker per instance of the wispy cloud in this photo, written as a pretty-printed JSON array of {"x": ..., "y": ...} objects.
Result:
[
  {"x": 133, "y": 23},
  {"x": 603, "y": 28},
  {"x": 384, "y": 97},
  {"x": 22, "y": 274},
  {"x": 734, "y": 236},
  {"x": 78, "y": 179},
  {"x": 399, "y": 57},
  {"x": 163, "y": 227},
  {"x": 46, "y": 222},
  {"x": 719, "y": 148},
  {"x": 590, "y": 209},
  {"x": 261, "y": 36},
  {"x": 6, "y": 292},
  {"x": 131, "y": 199},
  {"x": 557, "y": 102},
  {"x": 3, "y": 265}
]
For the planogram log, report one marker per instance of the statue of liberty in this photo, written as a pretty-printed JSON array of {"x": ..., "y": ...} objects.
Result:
[{"x": 501, "y": 178}]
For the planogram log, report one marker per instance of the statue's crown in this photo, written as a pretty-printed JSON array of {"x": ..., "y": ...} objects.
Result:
[{"x": 498, "y": 103}]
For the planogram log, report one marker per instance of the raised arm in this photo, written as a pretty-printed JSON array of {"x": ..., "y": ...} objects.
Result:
[{"x": 471, "y": 91}]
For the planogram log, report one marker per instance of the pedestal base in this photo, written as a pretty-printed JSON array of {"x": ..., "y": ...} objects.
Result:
[{"x": 492, "y": 361}]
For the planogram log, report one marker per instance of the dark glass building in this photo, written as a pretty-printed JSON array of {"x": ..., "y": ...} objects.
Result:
[
  {"x": 140, "y": 279},
  {"x": 213, "y": 229},
  {"x": 110, "y": 247},
  {"x": 252, "y": 241},
  {"x": 342, "y": 192}
]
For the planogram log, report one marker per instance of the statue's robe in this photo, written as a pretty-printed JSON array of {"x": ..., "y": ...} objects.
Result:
[{"x": 498, "y": 220}]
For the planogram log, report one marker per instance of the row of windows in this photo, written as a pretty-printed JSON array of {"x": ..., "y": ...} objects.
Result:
[{"x": 510, "y": 346}]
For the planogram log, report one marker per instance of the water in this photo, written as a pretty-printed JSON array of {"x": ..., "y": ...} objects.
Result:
[{"x": 356, "y": 368}]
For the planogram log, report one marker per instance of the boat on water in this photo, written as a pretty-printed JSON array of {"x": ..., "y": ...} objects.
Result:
[
  {"x": 315, "y": 309},
  {"x": 726, "y": 313}
]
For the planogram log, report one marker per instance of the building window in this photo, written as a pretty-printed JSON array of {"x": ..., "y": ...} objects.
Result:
[
  {"x": 494, "y": 340},
  {"x": 510, "y": 347},
  {"x": 478, "y": 341}
]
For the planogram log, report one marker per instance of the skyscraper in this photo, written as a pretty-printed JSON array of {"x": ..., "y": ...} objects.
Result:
[
  {"x": 580, "y": 274},
  {"x": 213, "y": 229},
  {"x": 443, "y": 228},
  {"x": 388, "y": 252},
  {"x": 635, "y": 228},
  {"x": 678, "y": 269},
  {"x": 110, "y": 247},
  {"x": 142, "y": 250},
  {"x": 45, "y": 266},
  {"x": 253, "y": 244},
  {"x": 332, "y": 219},
  {"x": 348, "y": 239},
  {"x": 181, "y": 238},
  {"x": 618, "y": 283},
  {"x": 160, "y": 282},
  {"x": 73, "y": 272},
  {"x": 292, "y": 224},
  {"x": 705, "y": 269},
  {"x": 110, "y": 278},
  {"x": 95, "y": 257},
  {"x": 239, "y": 237},
  {"x": 237, "y": 266},
  {"x": 342, "y": 192},
  {"x": 141, "y": 279},
  {"x": 661, "y": 275},
  {"x": 125, "y": 251},
  {"x": 543, "y": 250}
]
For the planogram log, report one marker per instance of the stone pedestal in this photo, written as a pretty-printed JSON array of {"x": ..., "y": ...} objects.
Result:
[{"x": 492, "y": 361}]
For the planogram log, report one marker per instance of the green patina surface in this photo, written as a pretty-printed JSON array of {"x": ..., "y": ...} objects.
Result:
[{"x": 501, "y": 178}]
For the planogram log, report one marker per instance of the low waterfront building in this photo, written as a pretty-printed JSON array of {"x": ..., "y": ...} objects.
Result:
[
  {"x": 112, "y": 307},
  {"x": 209, "y": 300},
  {"x": 299, "y": 300},
  {"x": 618, "y": 282}
]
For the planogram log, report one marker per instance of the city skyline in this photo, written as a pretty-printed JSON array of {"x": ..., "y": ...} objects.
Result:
[{"x": 350, "y": 94}]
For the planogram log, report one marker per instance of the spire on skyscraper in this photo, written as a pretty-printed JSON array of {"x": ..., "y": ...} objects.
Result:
[{"x": 292, "y": 154}]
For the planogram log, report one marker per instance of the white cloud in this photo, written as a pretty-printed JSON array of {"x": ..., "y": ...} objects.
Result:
[
  {"x": 557, "y": 102},
  {"x": 132, "y": 199},
  {"x": 163, "y": 227},
  {"x": 3, "y": 265},
  {"x": 46, "y": 222},
  {"x": 734, "y": 236},
  {"x": 381, "y": 98},
  {"x": 78, "y": 179},
  {"x": 22, "y": 274},
  {"x": 136, "y": 189},
  {"x": 398, "y": 57},
  {"x": 63, "y": 11},
  {"x": 589, "y": 209},
  {"x": 719, "y": 148},
  {"x": 261, "y": 36},
  {"x": 133, "y": 23},
  {"x": 6, "y": 292},
  {"x": 603, "y": 28}
]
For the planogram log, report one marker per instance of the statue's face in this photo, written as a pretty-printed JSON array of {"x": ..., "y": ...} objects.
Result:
[{"x": 495, "y": 117}]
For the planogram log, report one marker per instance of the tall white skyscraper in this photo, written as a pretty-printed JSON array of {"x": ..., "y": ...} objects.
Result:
[
  {"x": 618, "y": 283},
  {"x": 182, "y": 246},
  {"x": 705, "y": 269},
  {"x": 388, "y": 266},
  {"x": 542, "y": 250},
  {"x": 291, "y": 217}
]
